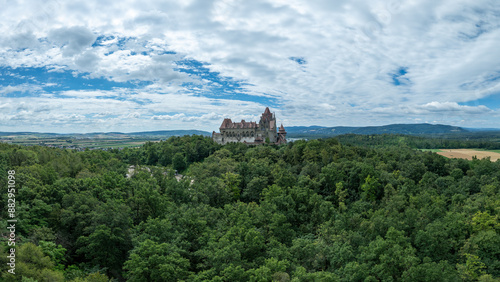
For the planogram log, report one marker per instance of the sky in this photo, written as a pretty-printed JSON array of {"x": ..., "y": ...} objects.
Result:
[{"x": 128, "y": 66}]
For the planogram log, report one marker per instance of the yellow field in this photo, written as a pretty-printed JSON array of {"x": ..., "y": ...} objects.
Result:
[{"x": 468, "y": 154}]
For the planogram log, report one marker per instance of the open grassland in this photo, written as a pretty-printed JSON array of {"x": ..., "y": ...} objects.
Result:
[{"x": 469, "y": 154}]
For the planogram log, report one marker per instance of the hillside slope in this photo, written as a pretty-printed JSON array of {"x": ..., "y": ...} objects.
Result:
[{"x": 410, "y": 129}]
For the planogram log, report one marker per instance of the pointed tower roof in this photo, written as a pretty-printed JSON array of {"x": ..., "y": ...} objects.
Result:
[
  {"x": 282, "y": 129},
  {"x": 226, "y": 123},
  {"x": 267, "y": 115}
]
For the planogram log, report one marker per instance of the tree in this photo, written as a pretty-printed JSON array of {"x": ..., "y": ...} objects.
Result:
[
  {"x": 431, "y": 271},
  {"x": 179, "y": 162},
  {"x": 107, "y": 240},
  {"x": 272, "y": 270},
  {"x": 388, "y": 258},
  {"x": 32, "y": 263},
  {"x": 301, "y": 274},
  {"x": 308, "y": 253},
  {"x": 341, "y": 194},
  {"x": 151, "y": 261},
  {"x": 55, "y": 252},
  {"x": 472, "y": 269},
  {"x": 232, "y": 184},
  {"x": 254, "y": 188},
  {"x": 372, "y": 190}
]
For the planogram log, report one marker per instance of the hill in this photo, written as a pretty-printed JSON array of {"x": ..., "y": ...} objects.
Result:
[
  {"x": 170, "y": 133},
  {"x": 160, "y": 133},
  {"x": 409, "y": 129}
]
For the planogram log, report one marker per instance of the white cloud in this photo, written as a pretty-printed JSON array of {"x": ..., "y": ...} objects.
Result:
[
  {"x": 168, "y": 117},
  {"x": 453, "y": 107},
  {"x": 73, "y": 40},
  {"x": 21, "y": 88},
  {"x": 353, "y": 51}
]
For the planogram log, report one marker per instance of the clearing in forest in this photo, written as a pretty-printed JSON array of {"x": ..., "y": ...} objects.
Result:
[{"x": 468, "y": 154}]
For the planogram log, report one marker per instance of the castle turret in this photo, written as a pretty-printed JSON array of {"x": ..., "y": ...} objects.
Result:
[{"x": 281, "y": 135}]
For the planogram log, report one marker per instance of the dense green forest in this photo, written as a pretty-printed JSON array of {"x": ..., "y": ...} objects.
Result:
[
  {"x": 354, "y": 208},
  {"x": 478, "y": 141}
]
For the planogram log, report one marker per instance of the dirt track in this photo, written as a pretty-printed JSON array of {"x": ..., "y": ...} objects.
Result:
[{"x": 468, "y": 154}]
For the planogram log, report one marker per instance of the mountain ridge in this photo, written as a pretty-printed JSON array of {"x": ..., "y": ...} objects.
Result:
[
  {"x": 293, "y": 131},
  {"x": 409, "y": 129}
]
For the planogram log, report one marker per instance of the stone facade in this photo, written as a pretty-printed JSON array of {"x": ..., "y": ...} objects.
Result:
[{"x": 251, "y": 133}]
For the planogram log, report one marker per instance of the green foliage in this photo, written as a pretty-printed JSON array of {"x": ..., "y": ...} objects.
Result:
[
  {"x": 151, "y": 261},
  {"x": 96, "y": 277},
  {"x": 472, "y": 269},
  {"x": 232, "y": 183},
  {"x": 55, "y": 252},
  {"x": 341, "y": 194},
  {"x": 32, "y": 263},
  {"x": 372, "y": 190},
  {"x": 272, "y": 270},
  {"x": 483, "y": 222},
  {"x": 106, "y": 241},
  {"x": 431, "y": 271},
  {"x": 179, "y": 162},
  {"x": 387, "y": 259},
  {"x": 319, "y": 210}
]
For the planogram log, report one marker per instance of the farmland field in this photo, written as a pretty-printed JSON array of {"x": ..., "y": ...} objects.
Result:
[
  {"x": 71, "y": 142},
  {"x": 469, "y": 154}
]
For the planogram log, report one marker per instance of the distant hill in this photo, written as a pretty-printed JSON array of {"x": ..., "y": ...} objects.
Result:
[
  {"x": 28, "y": 134},
  {"x": 159, "y": 133},
  {"x": 293, "y": 132},
  {"x": 162, "y": 133},
  {"x": 482, "y": 129},
  {"x": 170, "y": 133},
  {"x": 409, "y": 129}
]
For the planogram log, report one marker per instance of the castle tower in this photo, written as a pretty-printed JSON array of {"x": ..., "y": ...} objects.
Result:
[
  {"x": 267, "y": 126},
  {"x": 281, "y": 135}
]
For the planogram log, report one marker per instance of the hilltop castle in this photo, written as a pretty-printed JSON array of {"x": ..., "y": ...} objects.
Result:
[{"x": 251, "y": 133}]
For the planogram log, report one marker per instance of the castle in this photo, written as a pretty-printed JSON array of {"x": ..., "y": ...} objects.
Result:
[{"x": 251, "y": 133}]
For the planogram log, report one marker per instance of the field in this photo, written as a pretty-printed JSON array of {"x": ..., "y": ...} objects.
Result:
[
  {"x": 97, "y": 142},
  {"x": 469, "y": 154},
  {"x": 93, "y": 140}
]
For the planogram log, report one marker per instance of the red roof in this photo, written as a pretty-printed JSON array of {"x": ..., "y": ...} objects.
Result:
[
  {"x": 282, "y": 129},
  {"x": 267, "y": 115},
  {"x": 227, "y": 123}
]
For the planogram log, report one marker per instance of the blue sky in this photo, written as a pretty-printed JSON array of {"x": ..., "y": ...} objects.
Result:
[{"x": 159, "y": 65}]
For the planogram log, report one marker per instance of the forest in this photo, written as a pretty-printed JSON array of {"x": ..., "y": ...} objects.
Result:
[{"x": 351, "y": 208}]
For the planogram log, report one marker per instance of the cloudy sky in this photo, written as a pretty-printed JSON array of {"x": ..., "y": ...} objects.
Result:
[{"x": 88, "y": 66}]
